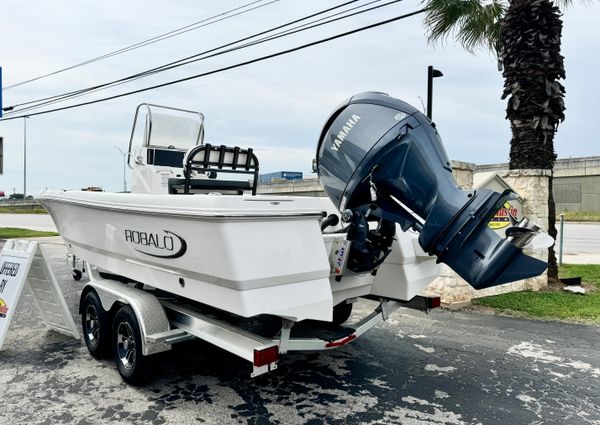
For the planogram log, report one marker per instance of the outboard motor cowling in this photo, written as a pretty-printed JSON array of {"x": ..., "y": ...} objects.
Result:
[{"x": 381, "y": 158}]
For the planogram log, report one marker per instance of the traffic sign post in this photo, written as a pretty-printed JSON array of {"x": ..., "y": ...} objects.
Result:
[{"x": 23, "y": 263}]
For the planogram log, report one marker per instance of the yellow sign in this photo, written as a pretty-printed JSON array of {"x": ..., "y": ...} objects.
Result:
[{"x": 502, "y": 218}]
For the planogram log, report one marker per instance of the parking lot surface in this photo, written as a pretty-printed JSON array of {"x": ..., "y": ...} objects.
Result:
[{"x": 442, "y": 368}]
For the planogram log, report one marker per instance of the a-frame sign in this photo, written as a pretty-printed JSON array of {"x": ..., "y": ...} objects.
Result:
[{"x": 23, "y": 263}]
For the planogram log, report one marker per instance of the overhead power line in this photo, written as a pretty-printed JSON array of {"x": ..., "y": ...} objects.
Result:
[
  {"x": 226, "y": 68},
  {"x": 183, "y": 61},
  {"x": 194, "y": 58},
  {"x": 152, "y": 40}
]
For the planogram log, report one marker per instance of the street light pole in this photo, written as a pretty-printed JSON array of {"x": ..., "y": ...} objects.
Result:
[
  {"x": 431, "y": 74},
  {"x": 25, "y": 158},
  {"x": 124, "y": 167}
]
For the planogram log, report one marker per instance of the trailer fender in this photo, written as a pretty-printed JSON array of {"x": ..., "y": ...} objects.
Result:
[{"x": 150, "y": 313}]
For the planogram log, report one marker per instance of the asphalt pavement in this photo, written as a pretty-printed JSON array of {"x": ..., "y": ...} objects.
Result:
[{"x": 442, "y": 368}]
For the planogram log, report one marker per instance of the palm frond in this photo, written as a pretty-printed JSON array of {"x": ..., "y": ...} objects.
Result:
[
  {"x": 472, "y": 23},
  {"x": 565, "y": 4}
]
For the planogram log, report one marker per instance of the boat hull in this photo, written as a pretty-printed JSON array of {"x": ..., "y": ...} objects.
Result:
[{"x": 245, "y": 255}]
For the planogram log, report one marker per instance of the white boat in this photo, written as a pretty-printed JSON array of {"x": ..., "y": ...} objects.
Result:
[
  {"x": 246, "y": 254},
  {"x": 194, "y": 227},
  {"x": 195, "y": 238}
]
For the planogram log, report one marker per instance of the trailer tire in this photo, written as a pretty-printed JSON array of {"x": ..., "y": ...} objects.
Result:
[
  {"x": 127, "y": 346},
  {"x": 341, "y": 313},
  {"x": 77, "y": 274},
  {"x": 95, "y": 324}
]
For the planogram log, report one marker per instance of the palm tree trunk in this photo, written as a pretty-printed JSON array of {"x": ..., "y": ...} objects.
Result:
[{"x": 530, "y": 53}]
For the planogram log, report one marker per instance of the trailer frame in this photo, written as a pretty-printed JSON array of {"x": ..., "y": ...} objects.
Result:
[{"x": 167, "y": 320}]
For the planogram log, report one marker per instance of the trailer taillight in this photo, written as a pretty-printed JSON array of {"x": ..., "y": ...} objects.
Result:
[{"x": 266, "y": 356}]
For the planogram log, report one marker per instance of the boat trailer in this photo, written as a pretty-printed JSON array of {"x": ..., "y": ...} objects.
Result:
[{"x": 162, "y": 320}]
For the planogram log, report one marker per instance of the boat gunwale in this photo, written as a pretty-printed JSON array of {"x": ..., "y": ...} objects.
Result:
[{"x": 190, "y": 212}]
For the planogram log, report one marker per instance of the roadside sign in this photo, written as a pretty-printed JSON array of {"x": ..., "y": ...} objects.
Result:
[
  {"x": 14, "y": 267},
  {"x": 511, "y": 210},
  {"x": 1, "y": 92},
  {"x": 23, "y": 263}
]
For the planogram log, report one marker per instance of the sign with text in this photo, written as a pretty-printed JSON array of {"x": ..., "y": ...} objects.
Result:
[
  {"x": 14, "y": 267},
  {"x": 511, "y": 211},
  {"x": 22, "y": 263},
  {"x": 502, "y": 218}
]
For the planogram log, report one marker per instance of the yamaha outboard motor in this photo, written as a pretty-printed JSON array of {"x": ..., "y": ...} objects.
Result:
[{"x": 380, "y": 159}]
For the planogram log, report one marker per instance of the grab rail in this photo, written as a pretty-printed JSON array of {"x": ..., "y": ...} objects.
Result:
[{"x": 225, "y": 159}]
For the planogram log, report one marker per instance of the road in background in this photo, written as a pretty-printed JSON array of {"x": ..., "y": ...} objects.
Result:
[
  {"x": 581, "y": 238},
  {"x": 581, "y": 243},
  {"x": 42, "y": 222}
]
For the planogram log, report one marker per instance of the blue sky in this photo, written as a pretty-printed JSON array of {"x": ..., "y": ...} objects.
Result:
[{"x": 278, "y": 106}]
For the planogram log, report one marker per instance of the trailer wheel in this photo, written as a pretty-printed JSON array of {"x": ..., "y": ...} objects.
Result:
[
  {"x": 95, "y": 325},
  {"x": 341, "y": 313},
  {"x": 127, "y": 345},
  {"x": 77, "y": 274}
]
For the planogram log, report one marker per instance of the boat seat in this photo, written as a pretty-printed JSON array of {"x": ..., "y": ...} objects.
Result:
[
  {"x": 216, "y": 160},
  {"x": 236, "y": 187}
]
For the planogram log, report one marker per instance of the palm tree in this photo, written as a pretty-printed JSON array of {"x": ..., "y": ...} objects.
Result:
[{"x": 525, "y": 36}]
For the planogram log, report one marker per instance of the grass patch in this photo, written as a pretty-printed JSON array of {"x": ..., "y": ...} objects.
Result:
[
  {"x": 13, "y": 232},
  {"x": 558, "y": 305},
  {"x": 23, "y": 210},
  {"x": 590, "y": 273},
  {"x": 579, "y": 216}
]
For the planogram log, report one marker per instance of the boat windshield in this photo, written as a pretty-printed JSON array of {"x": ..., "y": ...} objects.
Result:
[{"x": 161, "y": 126}]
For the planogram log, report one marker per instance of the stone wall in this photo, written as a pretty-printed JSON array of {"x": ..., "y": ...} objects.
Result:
[
  {"x": 576, "y": 182},
  {"x": 463, "y": 173}
]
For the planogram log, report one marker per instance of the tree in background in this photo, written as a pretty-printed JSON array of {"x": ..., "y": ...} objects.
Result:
[{"x": 525, "y": 36}]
